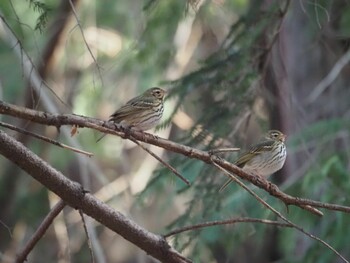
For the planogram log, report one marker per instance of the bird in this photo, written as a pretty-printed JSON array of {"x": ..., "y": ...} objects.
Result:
[
  {"x": 263, "y": 158},
  {"x": 142, "y": 112}
]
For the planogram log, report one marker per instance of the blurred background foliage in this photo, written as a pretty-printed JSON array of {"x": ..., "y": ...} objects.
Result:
[{"x": 233, "y": 69}]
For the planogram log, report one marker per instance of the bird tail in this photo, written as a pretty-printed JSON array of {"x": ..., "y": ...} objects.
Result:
[{"x": 225, "y": 185}]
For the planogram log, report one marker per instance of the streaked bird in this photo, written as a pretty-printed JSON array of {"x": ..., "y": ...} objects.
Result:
[
  {"x": 264, "y": 158},
  {"x": 142, "y": 112}
]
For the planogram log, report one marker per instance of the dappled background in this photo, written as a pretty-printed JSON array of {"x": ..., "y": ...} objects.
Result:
[{"x": 233, "y": 69}]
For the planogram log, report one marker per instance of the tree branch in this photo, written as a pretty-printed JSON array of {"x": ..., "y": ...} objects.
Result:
[
  {"x": 227, "y": 222},
  {"x": 171, "y": 168},
  {"x": 22, "y": 256},
  {"x": 330, "y": 78},
  {"x": 43, "y": 138},
  {"x": 74, "y": 195},
  {"x": 115, "y": 129},
  {"x": 87, "y": 236}
]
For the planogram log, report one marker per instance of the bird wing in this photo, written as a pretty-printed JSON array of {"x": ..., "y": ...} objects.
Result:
[
  {"x": 245, "y": 157},
  {"x": 135, "y": 107},
  {"x": 258, "y": 148},
  {"x": 141, "y": 102}
]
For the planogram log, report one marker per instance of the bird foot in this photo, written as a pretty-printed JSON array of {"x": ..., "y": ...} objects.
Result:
[
  {"x": 154, "y": 136},
  {"x": 125, "y": 129},
  {"x": 273, "y": 189}
]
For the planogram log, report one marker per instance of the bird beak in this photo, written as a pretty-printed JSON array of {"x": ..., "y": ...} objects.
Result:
[{"x": 284, "y": 137}]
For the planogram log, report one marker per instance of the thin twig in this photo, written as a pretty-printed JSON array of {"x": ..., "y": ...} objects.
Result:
[
  {"x": 226, "y": 222},
  {"x": 268, "y": 50},
  {"x": 279, "y": 26},
  {"x": 22, "y": 256},
  {"x": 7, "y": 228},
  {"x": 87, "y": 236},
  {"x": 40, "y": 137},
  {"x": 223, "y": 150},
  {"x": 84, "y": 39},
  {"x": 171, "y": 168},
  {"x": 28, "y": 68},
  {"x": 316, "y": 5},
  {"x": 234, "y": 178},
  {"x": 330, "y": 78}
]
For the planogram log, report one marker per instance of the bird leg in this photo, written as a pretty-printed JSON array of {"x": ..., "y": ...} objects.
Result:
[
  {"x": 126, "y": 129},
  {"x": 154, "y": 136}
]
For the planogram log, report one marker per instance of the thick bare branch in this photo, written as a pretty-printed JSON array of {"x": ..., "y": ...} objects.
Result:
[{"x": 74, "y": 195}]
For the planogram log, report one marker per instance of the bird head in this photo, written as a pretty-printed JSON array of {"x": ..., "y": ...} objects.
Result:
[
  {"x": 157, "y": 93},
  {"x": 276, "y": 135}
]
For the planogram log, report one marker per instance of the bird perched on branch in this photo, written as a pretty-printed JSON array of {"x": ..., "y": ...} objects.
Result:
[
  {"x": 264, "y": 158},
  {"x": 142, "y": 112}
]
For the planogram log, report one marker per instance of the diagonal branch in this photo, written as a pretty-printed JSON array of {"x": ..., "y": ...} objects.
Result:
[
  {"x": 227, "y": 222},
  {"x": 43, "y": 138},
  {"x": 330, "y": 78},
  {"x": 84, "y": 38},
  {"x": 115, "y": 129},
  {"x": 171, "y": 168},
  {"x": 87, "y": 236},
  {"x": 74, "y": 195},
  {"x": 22, "y": 256}
]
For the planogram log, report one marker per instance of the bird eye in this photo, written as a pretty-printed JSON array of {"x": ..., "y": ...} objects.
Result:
[
  {"x": 274, "y": 135},
  {"x": 157, "y": 93}
]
